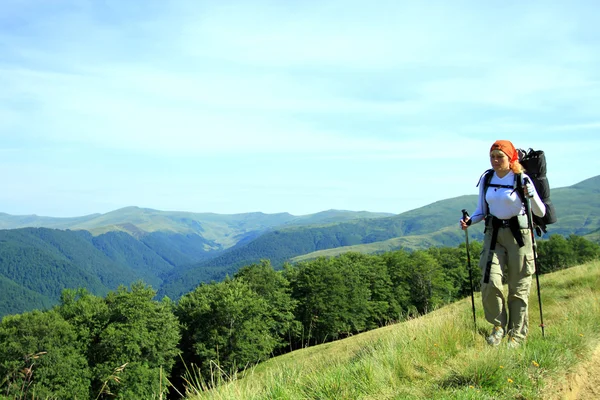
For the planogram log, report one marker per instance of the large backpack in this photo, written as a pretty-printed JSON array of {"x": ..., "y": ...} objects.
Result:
[{"x": 534, "y": 164}]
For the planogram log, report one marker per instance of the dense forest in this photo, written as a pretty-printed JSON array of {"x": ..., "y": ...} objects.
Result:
[
  {"x": 174, "y": 251},
  {"x": 129, "y": 345}
]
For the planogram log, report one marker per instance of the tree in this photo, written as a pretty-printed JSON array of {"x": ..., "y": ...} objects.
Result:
[
  {"x": 320, "y": 287},
  {"x": 140, "y": 333},
  {"x": 398, "y": 267},
  {"x": 456, "y": 267},
  {"x": 272, "y": 286},
  {"x": 41, "y": 356},
  {"x": 555, "y": 254},
  {"x": 428, "y": 282},
  {"x": 370, "y": 293},
  {"x": 583, "y": 249},
  {"x": 227, "y": 325},
  {"x": 89, "y": 316}
]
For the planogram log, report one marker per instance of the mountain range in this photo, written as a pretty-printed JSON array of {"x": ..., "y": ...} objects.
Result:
[{"x": 175, "y": 251}]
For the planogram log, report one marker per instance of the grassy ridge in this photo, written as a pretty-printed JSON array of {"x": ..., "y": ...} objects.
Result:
[
  {"x": 447, "y": 236},
  {"x": 441, "y": 355},
  {"x": 435, "y": 224},
  {"x": 577, "y": 208}
]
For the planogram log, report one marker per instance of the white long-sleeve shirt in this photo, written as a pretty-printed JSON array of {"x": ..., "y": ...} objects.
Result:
[{"x": 504, "y": 203}]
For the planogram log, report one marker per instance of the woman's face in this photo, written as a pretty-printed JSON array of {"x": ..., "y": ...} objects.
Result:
[{"x": 499, "y": 161}]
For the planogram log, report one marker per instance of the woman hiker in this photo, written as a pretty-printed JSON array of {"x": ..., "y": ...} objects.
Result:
[{"x": 507, "y": 246}]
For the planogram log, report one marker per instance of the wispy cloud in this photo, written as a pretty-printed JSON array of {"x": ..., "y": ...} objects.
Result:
[{"x": 332, "y": 88}]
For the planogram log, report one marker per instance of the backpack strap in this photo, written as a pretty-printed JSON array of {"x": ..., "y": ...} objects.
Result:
[
  {"x": 519, "y": 189},
  {"x": 501, "y": 186},
  {"x": 487, "y": 178},
  {"x": 538, "y": 223},
  {"x": 516, "y": 186}
]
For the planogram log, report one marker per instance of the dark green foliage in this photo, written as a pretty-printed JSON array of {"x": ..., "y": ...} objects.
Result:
[
  {"x": 127, "y": 344},
  {"x": 341, "y": 296},
  {"x": 89, "y": 315},
  {"x": 430, "y": 286},
  {"x": 455, "y": 264},
  {"x": 33, "y": 259},
  {"x": 281, "y": 245},
  {"x": 286, "y": 243},
  {"x": 36, "y": 264},
  {"x": 272, "y": 286},
  {"x": 184, "y": 280},
  {"x": 322, "y": 294},
  {"x": 584, "y": 250},
  {"x": 124, "y": 249},
  {"x": 40, "y": 354},
  {"x": 578, "y": 210},
  {"x": 121, "y": 345},
  {"x": 226, "y": 326},
  {"x": 180, "y": 249},
  {"x": 77, "y": 247},
  {"x": 15, "y": 299},
  {"x": 139, "y": 332},
  {"x": 397, "y": 265},
  {"x": 165, "y": 258},
  {"x": 559, "y": 252}
]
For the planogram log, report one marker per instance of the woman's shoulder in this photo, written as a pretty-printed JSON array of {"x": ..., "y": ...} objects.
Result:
[{"x": 485, "y": 177}]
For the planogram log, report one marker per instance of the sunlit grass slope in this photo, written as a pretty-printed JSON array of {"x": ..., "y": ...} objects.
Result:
[
  {"x": 442, "y": 355},
  {"x": 447, "y": 236}
]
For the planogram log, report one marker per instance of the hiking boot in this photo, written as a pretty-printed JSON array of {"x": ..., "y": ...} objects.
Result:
[
  {"x": 513, "y": 342},
  {"x": 496, "y": 336}
]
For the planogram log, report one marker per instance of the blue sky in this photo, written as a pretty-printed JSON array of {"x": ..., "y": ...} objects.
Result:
[{"x": 286, "y": 106}]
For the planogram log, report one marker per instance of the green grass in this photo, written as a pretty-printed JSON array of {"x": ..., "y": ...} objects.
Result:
[
  {"x": 441, "y": 355},
  {"x": 410, "y": 242}
]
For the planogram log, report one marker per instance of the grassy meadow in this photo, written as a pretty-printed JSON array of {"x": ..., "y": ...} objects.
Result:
[{"x": 440, "y": 355}]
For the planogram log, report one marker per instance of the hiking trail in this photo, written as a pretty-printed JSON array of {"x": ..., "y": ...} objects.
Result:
[{"x": 584, "y": 384}]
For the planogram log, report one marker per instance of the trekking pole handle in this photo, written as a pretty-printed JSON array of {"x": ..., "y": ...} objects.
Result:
[
  {"x": 465, "y": 214},
  {"x": 526, "y": 181}
]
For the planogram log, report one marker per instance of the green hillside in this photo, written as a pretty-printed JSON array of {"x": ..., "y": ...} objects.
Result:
[
  {"x": 180, "y": 249},
  {"x": 15, "y": 299},
  {"x": 36, "y": 264},
  {"x": 442, "y": 356},
  {"x": 436, "y": 224},
  {"x": 578, "y": 208},
  {"x": 121, "y": 247},
  {"x": 444, "y": 237},
  {"x": 39, "y": 260},
  {"x": 175, "y": 251},
  {"x": 281, "y": 245},
  {"x": 134, "y": 345},
  {"x": 219, "y": 231},
  {"x": 125, "y": 250}
]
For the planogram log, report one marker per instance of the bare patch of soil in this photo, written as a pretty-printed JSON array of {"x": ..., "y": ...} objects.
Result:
[{"x": 584, "y": 384}]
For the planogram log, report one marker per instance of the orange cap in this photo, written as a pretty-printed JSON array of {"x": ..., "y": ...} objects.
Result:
[{"x": 507, "y": 148}]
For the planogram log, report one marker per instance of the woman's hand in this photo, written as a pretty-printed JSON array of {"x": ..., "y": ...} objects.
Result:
[
  {"x": 529, "y": 190},
  {"x": 464, "y": 224}
]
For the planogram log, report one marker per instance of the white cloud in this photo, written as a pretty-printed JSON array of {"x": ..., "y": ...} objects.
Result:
[{"x": 346, "y": 95}]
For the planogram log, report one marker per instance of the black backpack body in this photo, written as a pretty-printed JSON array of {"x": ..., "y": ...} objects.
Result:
[{"x": 534, "y": 164}]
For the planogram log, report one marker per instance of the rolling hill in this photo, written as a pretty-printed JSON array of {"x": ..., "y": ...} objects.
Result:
[
  {"x": 436, "y": 224},
  {"x": 175, "y": 251},
  {"x": 102, "y": 251},
  {"x": 219, "y": 231},
  {"x": 578, "y": 207}
]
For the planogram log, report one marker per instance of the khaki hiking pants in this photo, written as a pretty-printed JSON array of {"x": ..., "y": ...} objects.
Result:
[{"x": 519, "y": 265}]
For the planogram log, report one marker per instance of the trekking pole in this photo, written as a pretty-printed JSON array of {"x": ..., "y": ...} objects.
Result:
[
  {"x": 535, "y": 263},
  {"x": 465, "y": 217}
]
